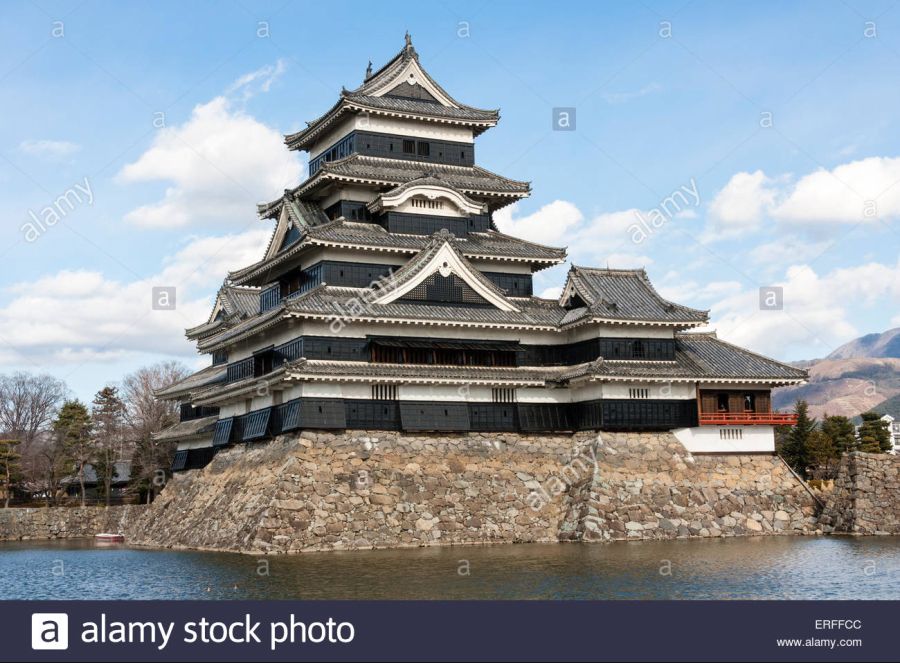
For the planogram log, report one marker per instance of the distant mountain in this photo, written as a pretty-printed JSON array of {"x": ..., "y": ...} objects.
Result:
[
  {"x": 861, "y": 375},
  {"x": 886, "y": 344},
  {"x": 891, "y": 406},
  {"x": 844, "y": 386}
]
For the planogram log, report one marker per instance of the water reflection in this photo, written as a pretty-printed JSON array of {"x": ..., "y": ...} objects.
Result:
[{"x": 752, "y": 568}]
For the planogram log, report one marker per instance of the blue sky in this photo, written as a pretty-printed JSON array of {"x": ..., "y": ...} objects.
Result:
[{"x": 166, "y": 118}]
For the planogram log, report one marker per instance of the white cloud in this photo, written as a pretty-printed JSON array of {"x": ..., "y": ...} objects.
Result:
[
  {"x": 818, "y": 309},
  {"x": 607, "y": 238},
  {"x": 741, "y": 204},
  {"x": 550, "y": 224},
  {"x": 76, "y": 316},
  {"x": 218, "y": 164},
  {"x": 258, "y": 81},
  {"x": 788, "y": 250},
  {"x": 54, "y": 150},
  {"x": 841, "y": 195},
  {"x": 623, "y": 97},
  {"x": 859, "y": 191}
]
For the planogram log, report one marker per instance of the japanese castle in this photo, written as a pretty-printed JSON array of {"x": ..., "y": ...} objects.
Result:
[{"x": 388, "y": 300}]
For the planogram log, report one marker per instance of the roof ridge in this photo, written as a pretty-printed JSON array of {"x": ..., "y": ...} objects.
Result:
[{"x": 646, "y": 280}]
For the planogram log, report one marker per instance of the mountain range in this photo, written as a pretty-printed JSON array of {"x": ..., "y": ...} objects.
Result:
[{"x": 861, "y": 375}]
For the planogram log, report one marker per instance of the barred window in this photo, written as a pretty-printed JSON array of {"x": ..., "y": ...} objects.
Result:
[
  {"x": 384, "y": 392},
  {"x": 409, "y": 147},
  {"x": 424, "y": 203},
  {"x": 731, "y": 434},
  {"x": 639, "y": 392},
  {"x": 503, "y": 395}
]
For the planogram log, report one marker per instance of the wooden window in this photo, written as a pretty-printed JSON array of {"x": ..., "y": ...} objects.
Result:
[
  {"x": 637, "y": 350},
  {"x": 750, "y": 402},
  {"x": 409, "y": 147},
  {"x": 384, "y": 392},
  {"x": 639, "y": 392},
  {"x": 423, "y": 149},
  {"x": 503, "y": 395}
]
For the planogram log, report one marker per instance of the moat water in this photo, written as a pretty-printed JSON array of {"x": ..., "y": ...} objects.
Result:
[{"x": 738, "y": 568}]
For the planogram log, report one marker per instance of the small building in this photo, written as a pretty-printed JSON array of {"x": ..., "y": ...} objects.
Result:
[
  {"x": 894, "y": 430},
  {"x": 93, "y": 487},
  {"x": 387, "y": 299}
]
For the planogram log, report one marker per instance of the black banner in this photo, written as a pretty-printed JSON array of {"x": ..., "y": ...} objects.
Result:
[{"x": 448, "y": 631}]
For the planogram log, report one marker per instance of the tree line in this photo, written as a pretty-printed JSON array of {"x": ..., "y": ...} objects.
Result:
[
  {"x": 814, "y": 448},
  {"x": 48, "y": 440}
]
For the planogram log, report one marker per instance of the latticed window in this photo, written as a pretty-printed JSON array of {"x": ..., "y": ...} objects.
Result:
[
  {"x": 445, "y": 289},
  {"x": 639, "y": 392},
  {"x": 503, "y": 395}
]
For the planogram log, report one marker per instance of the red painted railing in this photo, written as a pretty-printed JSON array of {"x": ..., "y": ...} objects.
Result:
[{"x": 747, "y": 418}]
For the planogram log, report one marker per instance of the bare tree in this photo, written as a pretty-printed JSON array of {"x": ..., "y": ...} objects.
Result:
[
  {"x": 28, "y": 405},
  {"x": 145, "y": 415}
]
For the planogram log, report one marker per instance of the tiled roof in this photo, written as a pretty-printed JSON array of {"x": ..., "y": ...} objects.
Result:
[
  {"x": 383, "y": 171},
  {"x": 238, "y": 302},
  {"x": 410, "y": 373},
  {"x": 184, "y": 429},
  {"x": 302, "y": 212},
  {"x": 624, "y": 294},
  {"x": 422, "y": 107},
  {"x": 491, "y": 244},
  {"x": 201, "y": 378},
  {"x": 345, "y": 303},
  {"x": 698, "y": 356},
  {"x": 722, "y": 359},
  {"x": 254, "y": 324},
  {"x": 370, "y": 96}
]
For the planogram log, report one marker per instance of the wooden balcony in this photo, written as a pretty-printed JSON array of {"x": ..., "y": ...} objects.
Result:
[{"x": 747, "y": 418}]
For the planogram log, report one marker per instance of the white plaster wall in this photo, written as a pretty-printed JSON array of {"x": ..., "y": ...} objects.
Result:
[
  {"x": 389, "y": 125},
  {"x": 706, "y": 439},
  {"x": 349, "y": 192},
  {"x": 195, "y": 444},
  {"x": 677, "y": 390},
  {"x": 506, "y": 267},
  {"x": 469, "y": 393},
  {"x": 539, "y": 395}
]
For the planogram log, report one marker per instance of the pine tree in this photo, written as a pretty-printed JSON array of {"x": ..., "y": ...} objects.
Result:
[
  {"x": 107, "y": 414},
  {"x": 821, "y": 455},
  {"x": 874, "y": 434},
  {"x": 794, "y": 448},
  {"x": 73, "y": 427},
  {"x": 841, "y": 433},
  {"x": 9, "y": 468}
]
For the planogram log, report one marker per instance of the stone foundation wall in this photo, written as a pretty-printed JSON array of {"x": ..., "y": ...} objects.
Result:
[
  {"x": 323, "y": 491},
  {"x": 64, "y": 522},
  {"x": 866, "y": 495}
]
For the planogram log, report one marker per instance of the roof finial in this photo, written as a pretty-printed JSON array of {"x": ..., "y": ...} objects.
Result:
[
  {"x": 369, "y": 71},
  {"x": 408, "y": 39}
]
